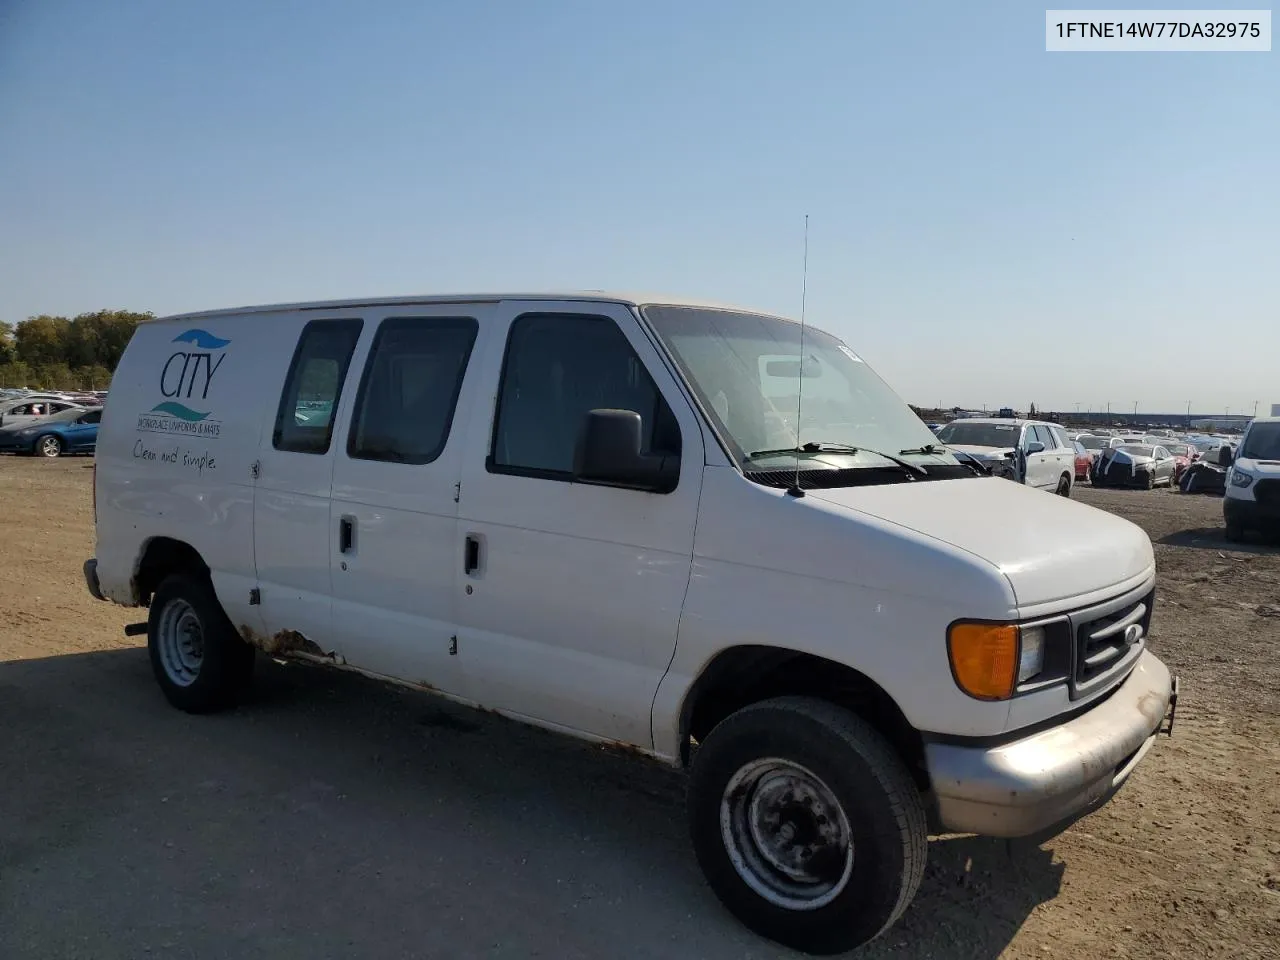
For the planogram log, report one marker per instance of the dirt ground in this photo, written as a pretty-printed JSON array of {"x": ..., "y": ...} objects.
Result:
[{"x": 333, "y": 816}]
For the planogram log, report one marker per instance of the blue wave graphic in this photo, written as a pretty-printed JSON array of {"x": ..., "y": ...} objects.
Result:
[
  {"x": 178, "y": 410},
  {"x": 202, "y": 339}
]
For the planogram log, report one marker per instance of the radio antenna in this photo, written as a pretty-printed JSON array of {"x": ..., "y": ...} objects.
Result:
[{"x": 794, "y": 490}]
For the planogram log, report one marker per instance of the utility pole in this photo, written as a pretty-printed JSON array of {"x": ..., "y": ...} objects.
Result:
[{"x": 1255, "y": 409}]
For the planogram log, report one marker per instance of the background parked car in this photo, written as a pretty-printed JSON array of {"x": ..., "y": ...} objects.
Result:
[
  {"x": 1084, "y": 459},
  {"x": 1183, "y": 456},
  {"x": 1031, "y": 452},
  {"x": 71, "y": 431},
  {"x": 31, "y": 408},
  {"x": 1134, "y": 465}
]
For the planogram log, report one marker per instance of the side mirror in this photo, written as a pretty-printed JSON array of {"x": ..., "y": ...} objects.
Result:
[
  {"x": 1226, "y": 456},
  {"x": 1035, "y": 446},
  {"x": 608, "y": 452}
]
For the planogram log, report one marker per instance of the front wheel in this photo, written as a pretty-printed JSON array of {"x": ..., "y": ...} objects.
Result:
[
  {"x": 48, "y": 446},
  {"x": 806, "y": 824}
]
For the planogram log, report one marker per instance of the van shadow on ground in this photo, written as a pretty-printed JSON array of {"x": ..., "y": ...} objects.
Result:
[
  {"x": 336, "y": 816},
  {"x": 1215, "y": 538}
]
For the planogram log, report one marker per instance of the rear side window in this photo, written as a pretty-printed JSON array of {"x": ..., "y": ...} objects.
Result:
[
  {"x": 558, "y": 367},
  {"x": 93, "y": 417},
  {"x": 409, "y": 389},
  {"x": 304, "y": 422}
]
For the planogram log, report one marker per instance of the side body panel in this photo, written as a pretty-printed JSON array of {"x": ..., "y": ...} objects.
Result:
[
  {"x": 177, "y": 444},
  {"x": 571, "y": 616},
  {"x": 395, "y": 586},
  {"x": 292, "y": 536}
]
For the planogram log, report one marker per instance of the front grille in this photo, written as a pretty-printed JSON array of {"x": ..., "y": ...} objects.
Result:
[
  {"x": 1267, "y": 492},
  {"x": 1104, "y": 644}
]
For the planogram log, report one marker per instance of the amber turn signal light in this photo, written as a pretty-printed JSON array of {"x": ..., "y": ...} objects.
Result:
[{"x": 984, "y": 658}]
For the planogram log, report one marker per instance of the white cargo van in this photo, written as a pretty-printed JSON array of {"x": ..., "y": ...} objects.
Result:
[
  {"x": 596, "y": 514},
  {"x": 1252, "y": 500}
]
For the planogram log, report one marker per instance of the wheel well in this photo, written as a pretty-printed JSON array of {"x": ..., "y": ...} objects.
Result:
[
  {"x": 161, "y": 557},
  {"x": 740, "y": 676}
]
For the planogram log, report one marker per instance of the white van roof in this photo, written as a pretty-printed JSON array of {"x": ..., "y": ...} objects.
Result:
[{"x": 583, "y": 295}]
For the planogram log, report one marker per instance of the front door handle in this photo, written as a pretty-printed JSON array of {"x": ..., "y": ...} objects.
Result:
[
  {"x": 346, "y": 534},
  {"x": 471, "y": 555}
]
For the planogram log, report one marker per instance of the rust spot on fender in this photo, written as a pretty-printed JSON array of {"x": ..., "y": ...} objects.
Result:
[
  {"x": 622, "y": 748},
  {"x": 282, "y": 643}
]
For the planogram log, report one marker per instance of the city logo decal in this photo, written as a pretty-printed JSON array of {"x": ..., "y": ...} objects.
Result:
[{"x": 184, "y": 382}]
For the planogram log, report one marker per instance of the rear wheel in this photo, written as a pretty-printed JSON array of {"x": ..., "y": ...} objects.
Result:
[
  {"x": 806, "y": 824},
  {"x": 198, "y": 659},
  {"x": 48, "y": 445},
  {"x": 1064, "y": 486}
]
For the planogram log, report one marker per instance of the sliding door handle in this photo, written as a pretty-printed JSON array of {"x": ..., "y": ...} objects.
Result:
[
  {"x": 346, "y": 534},
  {"x": 471, "y": 555}
]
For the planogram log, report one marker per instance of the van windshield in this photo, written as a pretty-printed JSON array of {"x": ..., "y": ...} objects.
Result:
[
  {"x": 745, "y": 370},
  {"x": 1263, "y": 442}
]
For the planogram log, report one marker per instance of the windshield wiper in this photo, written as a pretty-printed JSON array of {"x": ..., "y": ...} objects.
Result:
[
  {"x": 928, "y": 450},
  {"x": 813, "y": 447},
  {"x": 972, "y": 462}
]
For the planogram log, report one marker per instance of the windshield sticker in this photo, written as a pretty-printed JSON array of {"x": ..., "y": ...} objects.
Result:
[
  {"x": 849, "y": 353},
  {"x": 182, "y": 406}
]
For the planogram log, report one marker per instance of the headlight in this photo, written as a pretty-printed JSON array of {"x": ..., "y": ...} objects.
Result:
[
  {"x": 989, "y": 660},
  {"x": 1241, "y": 480},
  {"x": 1031, "y": 653}
]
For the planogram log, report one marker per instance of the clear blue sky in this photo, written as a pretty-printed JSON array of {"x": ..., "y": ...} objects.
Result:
[{"x": 989, "y": 223}]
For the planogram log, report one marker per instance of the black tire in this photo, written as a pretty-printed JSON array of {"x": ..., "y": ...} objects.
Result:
[
  {"x": 225, "y": 664},
  {"x": 1064, "y": 486},
  {"x": 878, "y": 802},
  {"x": 47, "y": 445},
  {"x": 1234, "y": 531},
  {"x": 1151, "y": 481}
]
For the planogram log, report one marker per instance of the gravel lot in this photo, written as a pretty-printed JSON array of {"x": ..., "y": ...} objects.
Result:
[{"x": 336, "y": 817}]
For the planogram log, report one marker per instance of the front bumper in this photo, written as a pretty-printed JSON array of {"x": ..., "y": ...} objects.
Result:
[
  {"x": 1022, "y": 787},
  {"x": 1250, "y": 513}
]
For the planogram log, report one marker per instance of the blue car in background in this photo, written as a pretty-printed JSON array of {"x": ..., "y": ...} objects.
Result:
[{"x": 72, "y": 431}]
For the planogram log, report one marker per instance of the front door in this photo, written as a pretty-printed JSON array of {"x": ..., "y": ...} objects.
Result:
[
  {"x": 570, "y": 594},
  {"x": 82, "y": 435},
  {"x": 291, "y": 530},
  {"x": 1040, "y": 467},
  {"x": 394, "y": 513}
]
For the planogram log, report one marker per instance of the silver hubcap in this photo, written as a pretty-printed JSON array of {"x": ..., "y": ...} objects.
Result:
[
  {"x": 49, "y": 446},
  {"x": 786, "y": 834},
  {"x": 180, "y": 640}
]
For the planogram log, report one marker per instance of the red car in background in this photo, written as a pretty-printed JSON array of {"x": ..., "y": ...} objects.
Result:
[
  {"x": 1184, "y": 454},
  {"x": 1084, "y": 459}
]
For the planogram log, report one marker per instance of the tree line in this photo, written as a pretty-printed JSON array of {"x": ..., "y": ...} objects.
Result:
[{"x": 65, "y": 353}]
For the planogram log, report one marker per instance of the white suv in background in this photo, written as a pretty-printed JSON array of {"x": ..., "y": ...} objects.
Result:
[{"x": 1028, "y": 451}]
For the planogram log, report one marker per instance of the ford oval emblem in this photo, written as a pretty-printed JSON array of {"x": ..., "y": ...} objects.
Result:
[{"x": 1133, "y": 634}]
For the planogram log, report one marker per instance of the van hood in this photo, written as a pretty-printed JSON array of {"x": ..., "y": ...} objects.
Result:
[{"x": 1048, "y": 547}]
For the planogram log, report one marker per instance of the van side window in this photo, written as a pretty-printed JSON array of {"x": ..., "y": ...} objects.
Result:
[
  {"x": 409, "y": 388},
  {"x": 304, "y": 422},
  {"x": 557, "y": 368}
]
